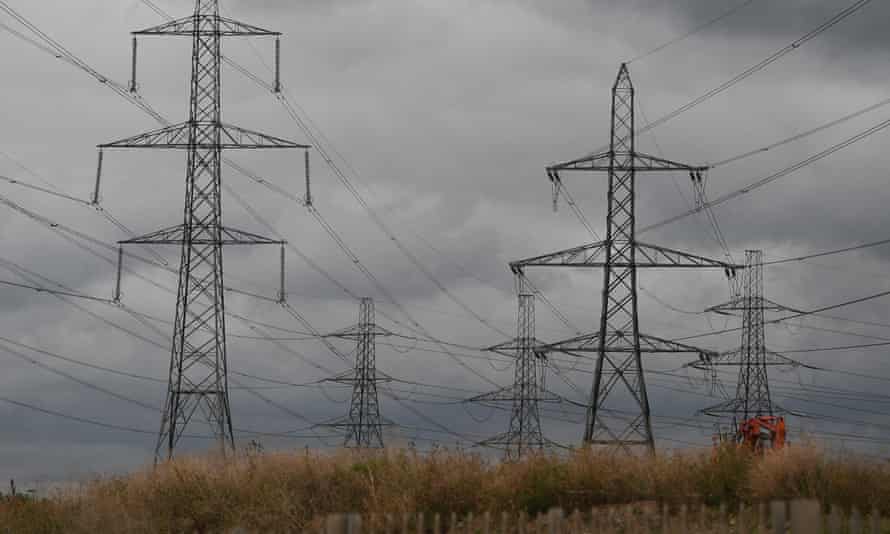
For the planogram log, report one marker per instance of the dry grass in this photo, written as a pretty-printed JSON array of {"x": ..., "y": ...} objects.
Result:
[{"x": 286, "y": 492}]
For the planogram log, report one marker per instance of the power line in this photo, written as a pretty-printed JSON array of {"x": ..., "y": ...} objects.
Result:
[
  {"x": 55, "y": 292},
  {"x": 76, "y": 418},
  {"x": 772, "y": 177},
  {"x": 728, "y": 13},
  {"x": 829, "y": 252},
  {"x": 802, "y": 135},
  {"x": 102, "y": 79},
  {"x": 82, "y": 382},
  {"x": 769, "y": 60},
  {"x": 851, "y": 302},
  {"x": 83, "y": 363}
]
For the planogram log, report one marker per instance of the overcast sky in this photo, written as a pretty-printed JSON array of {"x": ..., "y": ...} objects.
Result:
[{"x": 444, "y": 114}]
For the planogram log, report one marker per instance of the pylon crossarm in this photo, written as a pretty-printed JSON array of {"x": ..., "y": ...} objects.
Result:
[
  {"x": 619, "y": 342},
  {"x": 176, "y": 235},
  {"x": 647, "y": 256},
  {"x": 582, "y": 164},
  {"x": 348, "y": 377},
  {"x": 510, "y": 348},
  {"x": 619, "y": 443},
  {"x": 345, "y": 423},
  {"x": 356, "y": 331},
  {"x": 734, "y": 406},
  {"x": 509, "y": 394},
  {"x": 740, "y": 304},
  {"x": 656, "y": 256},
  {"x": 180, "y": 137},
  {"x": 736, "y": 358},
  {"x": 583, "y": 256},
  {"x": 605, "y": 162},
  {"x": 207, "y": 24}
]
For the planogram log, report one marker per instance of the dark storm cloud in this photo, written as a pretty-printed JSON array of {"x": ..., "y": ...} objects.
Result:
[
  {"x": 861, "y": 33},
  {"x": 758, "y": 20}
]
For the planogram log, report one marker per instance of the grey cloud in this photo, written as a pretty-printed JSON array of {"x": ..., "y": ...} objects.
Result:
[{"x": 450, "y": 111}]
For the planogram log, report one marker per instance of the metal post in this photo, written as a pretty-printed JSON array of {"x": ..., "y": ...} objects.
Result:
[
  {"x": 133, "y": 87},
  {"x": 619, "y": 384},
  {"x": 777, "y": 517},
  {"x": 198, "y": 375},
  {"x": 308, "y": 199},
  {"x": 120, "y": 265},
  {"x": 95, "y": 200},
  {"x": 277, "y": 88},
  {"x": 282, "y": 293},
  {"x": 364, "y": 424},
  {"x": 524, "y": 436}
]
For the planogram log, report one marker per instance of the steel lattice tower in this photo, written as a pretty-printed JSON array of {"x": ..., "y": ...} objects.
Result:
[
  {"x": 198, "y": 380},
  {"x": 524, "y": 435},
  {"x": 363, "y": 425},
  {"x": 618, "y": 413},
  {"x": 752, "y": 395}
]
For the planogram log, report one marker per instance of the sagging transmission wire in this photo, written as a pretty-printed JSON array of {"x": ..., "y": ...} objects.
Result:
[
  {"x": 296, "y": 315},
  {"x": 127, "y": 374},
  {"x": 769, "y": 60},
  {"x": 55, "y": 49},
  {"x": 22, "y": 356},
  {"x": 430, "y": 336},
  {"x": 141, "y": 103},
  {"x": 698, "y": 186},
  {"x": 773, "y": 177},
  {"x": 122, "y": 428},
  {"x": 320, "y": 143},
  {"x": 797, "y": 137},
  {"x": 292, "y": 111},
  {"x": 92, "y": 205},
  {"x": 828, "y": 24},
  {"x": 82, "y": 382},
  {"x": 828, "y": 252},
  {"x": 34, "y": 278},
  {"x": 60, "y": 52},
  {"x": 794, "y": 315},
  {"x": 70, "y": 292},
  {"x": 697, "y": 29},
  {"x": 72, "y": 235},
  {"x": 735, "y": 80},
  {"x": 39, "y": 289}
]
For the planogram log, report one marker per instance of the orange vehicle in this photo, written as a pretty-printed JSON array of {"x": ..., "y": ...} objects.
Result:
[{"x": 763, "y": 433}]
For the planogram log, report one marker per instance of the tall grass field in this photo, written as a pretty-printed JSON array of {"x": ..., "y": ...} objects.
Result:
[{"x": 293, "y": 491}]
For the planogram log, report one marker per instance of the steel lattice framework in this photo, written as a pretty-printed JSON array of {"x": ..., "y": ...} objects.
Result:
[
  {"x": 619, "y": 381},
  {"x": 198, "y": 379},
  {"x": 752, "y": 395},
  {"x": 364, "y": 424},
  {"x": 524, "y": 436}
]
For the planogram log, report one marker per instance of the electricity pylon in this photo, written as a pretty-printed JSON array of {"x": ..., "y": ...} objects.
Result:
[
  {"x": 618, "y": 412},
  {"x": 363, "y": 425},
  {"x": 198, "y": 379},
  {"x": 524, "y": 435},
  {"x": 752, "y": 395}
]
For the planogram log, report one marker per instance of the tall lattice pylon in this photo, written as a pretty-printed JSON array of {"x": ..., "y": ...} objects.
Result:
[
  {"x": 198, "y": 380},
  {"x": 524, "y": 435},
  {"x": 753, "y": 358},
  {"x": 364, "y": 424},
  {"x": 619, "y": 413}
]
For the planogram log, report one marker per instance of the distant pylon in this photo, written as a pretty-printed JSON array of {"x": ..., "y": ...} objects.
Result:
[
  {"x": 198, "y": 376},
  {"x": 752, "y": 396},
  {"x": 364, "y": 424},
  {"x": 524, "y": 434},
  {"x": 619, "y": 412}
]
